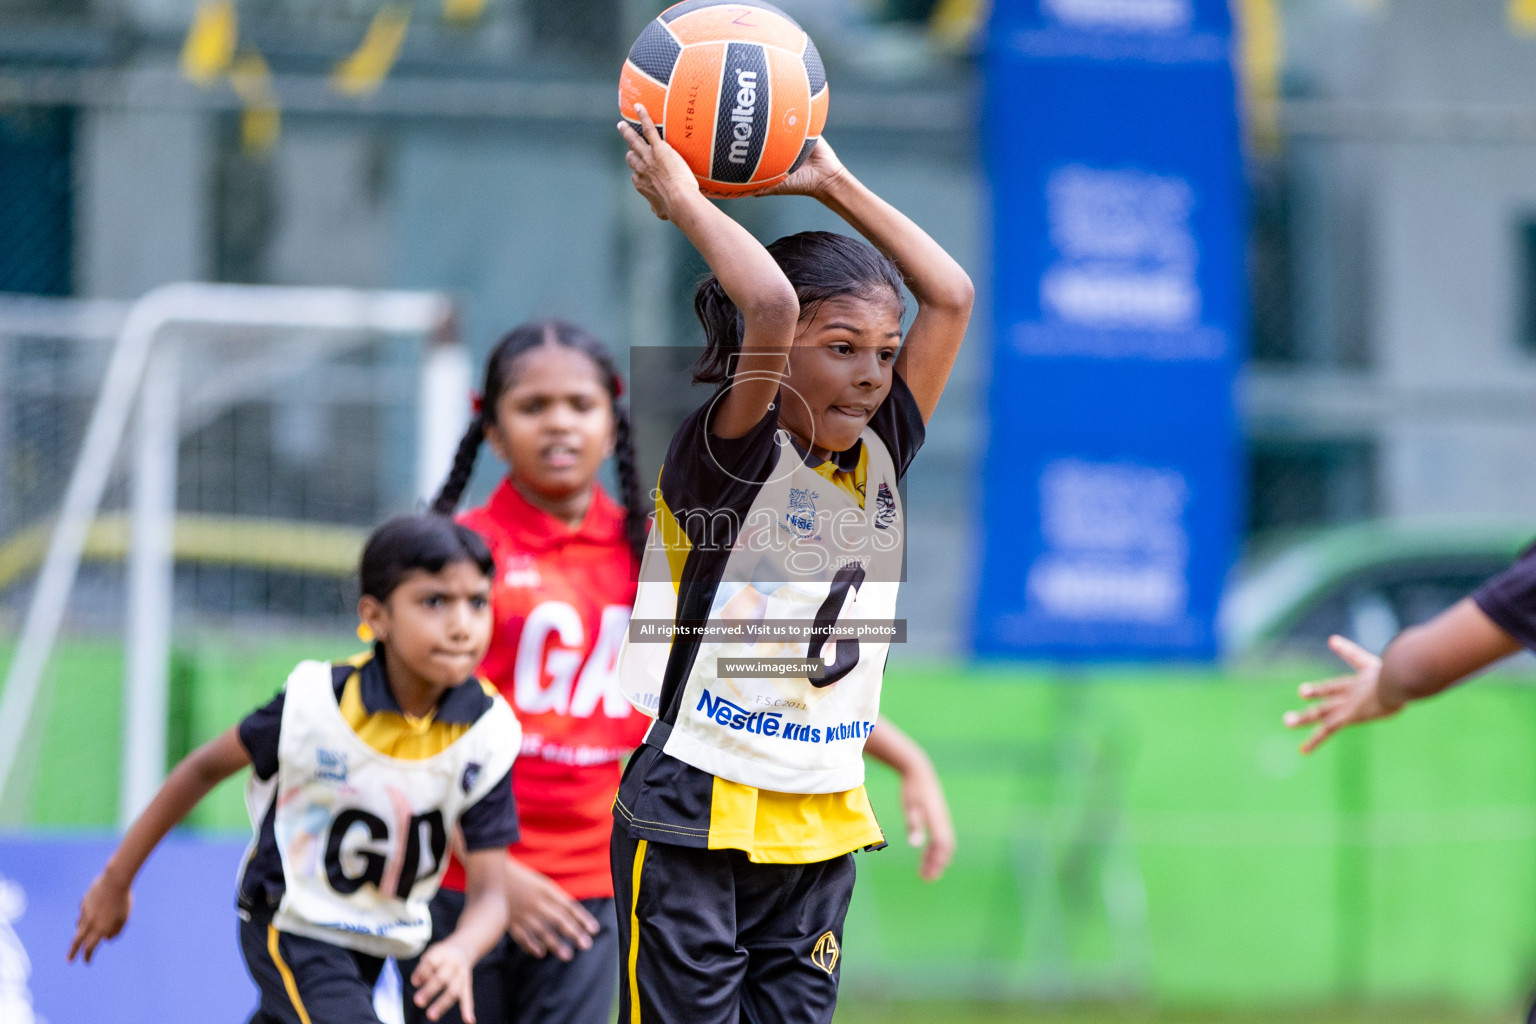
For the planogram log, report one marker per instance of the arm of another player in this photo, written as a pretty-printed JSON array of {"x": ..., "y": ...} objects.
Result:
[
  {"x": 922, "y": 796},
  {"x": 1420, "y": 662},
  {"x": 106, "y": 905},
  {"x": 544, "y": 918},
  {"x": 943, "y": 289},
  {"x": 445, "y": 971},
  {"x": 769, "y": 309}
]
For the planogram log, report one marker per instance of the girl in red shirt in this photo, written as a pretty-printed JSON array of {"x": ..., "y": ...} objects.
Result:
[{"x": 566, "y": 556}]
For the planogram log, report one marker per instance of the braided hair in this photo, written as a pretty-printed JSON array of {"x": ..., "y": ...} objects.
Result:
[
  {"x": 820, "y": 265},
  {"x": 499, "y": 376}
]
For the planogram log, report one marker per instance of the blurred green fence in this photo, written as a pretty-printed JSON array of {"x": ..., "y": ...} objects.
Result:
[{"x": 1123, "y": 833}]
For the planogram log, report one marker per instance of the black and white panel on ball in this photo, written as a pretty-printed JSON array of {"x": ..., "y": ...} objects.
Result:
[
  {"x": 741, "y": 120},
  {"x": 655, "y": 52},
  {"x": 815, "y": 73}
]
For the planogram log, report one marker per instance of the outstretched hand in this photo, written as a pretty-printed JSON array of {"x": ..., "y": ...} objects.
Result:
[
  {"x": 658, "y": 171},
  {"x": 1345, "y": 700},
  {"x": 103, "y": 911}
]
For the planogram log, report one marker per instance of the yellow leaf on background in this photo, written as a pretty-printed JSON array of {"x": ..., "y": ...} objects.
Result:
[
  {"x": 1522, "y": 17},
  {"x": 954, "y": 23},
  {"x": 210, "y": 42},
  {"x": 252, "y": 79},
  {"x": 1262, "y": 52},
  {"x": 361, "y": 73},
  {"x": 260, "y": 128},
  {"x": 463, "y": 11},
  {"x": 260, "y": 120}
]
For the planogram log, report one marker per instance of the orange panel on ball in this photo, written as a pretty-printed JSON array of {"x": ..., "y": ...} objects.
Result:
[
  {"x": 635, "y": 87},
  {"x": 738, "y": 23},
  {"x": 692, "y": 99},
  {"x": 728, "y": 189},
  {"x": 787, "y": 121},
  {"x": 819, "y": 113}
]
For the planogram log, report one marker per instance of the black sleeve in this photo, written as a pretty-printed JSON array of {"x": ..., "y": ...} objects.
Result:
[
  {"x": 704, "y": 472},
  {"x": 1509, "y": 598},
  {"x": 258, "y": 734},
  {"x": 491, "y": 821},
  {"x": 899, "y": 423}
]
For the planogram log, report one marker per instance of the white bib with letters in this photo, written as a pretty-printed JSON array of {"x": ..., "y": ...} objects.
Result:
[{"x": 363, "y": 836}]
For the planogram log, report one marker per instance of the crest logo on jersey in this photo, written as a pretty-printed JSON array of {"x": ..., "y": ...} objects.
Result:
[
  {"x": 825, "y": 953},
  {"x": 330, "y": 765},
  {"x": 801, "y": 514},
  {"x": 522, "y": 571},
  {"x": 471, "y": 773},
  {"x": 885, "y": 507}
]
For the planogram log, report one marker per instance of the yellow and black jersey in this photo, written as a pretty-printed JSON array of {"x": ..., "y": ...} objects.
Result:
[
  {"x": 335, "y": 753},
  {"x": 755, "y": 540}
]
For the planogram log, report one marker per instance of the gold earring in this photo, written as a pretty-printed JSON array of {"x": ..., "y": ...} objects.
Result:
[{"x": 365, "y": 633}]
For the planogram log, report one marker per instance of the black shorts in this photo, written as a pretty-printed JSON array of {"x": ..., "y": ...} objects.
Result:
[
  {"x": 515, "y": 987},
  {"x": 708, "y": 937},
  {"x": 306, "y": 981}
]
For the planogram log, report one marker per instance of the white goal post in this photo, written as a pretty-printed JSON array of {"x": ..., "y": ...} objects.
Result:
[{"x": 143, "y": 371}]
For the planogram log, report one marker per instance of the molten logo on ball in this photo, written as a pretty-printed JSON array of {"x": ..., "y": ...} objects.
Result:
[{"x": 746, "y": 104}]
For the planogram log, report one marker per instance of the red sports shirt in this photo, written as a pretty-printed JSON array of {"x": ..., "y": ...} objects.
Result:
[{"x": 561, "y": 600}]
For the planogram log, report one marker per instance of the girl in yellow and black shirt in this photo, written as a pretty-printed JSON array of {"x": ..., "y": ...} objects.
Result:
[{"x": 778, "y": 506}]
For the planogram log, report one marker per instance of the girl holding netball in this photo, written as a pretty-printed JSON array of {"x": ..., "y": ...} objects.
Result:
[
  {"x": 778, "y": 507},
  {"x": 360, "y": 774},
  {"x": 552, "y": 410}
]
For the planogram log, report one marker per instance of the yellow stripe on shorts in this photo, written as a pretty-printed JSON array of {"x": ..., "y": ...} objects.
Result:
[
  {"x": 288, "y": 982},
  {"x": 634, "y": 935}
]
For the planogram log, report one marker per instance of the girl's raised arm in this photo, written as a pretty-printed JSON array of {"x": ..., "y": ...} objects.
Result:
[
  {"x": 104, "y": 909},
  {"x": 751, "y": 278},
  {"x": 941, "y": 286}
]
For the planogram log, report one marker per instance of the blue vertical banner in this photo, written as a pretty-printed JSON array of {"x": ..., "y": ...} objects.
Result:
[{"x": 1111, "y": 481}]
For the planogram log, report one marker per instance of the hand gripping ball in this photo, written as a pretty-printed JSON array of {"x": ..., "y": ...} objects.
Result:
[{"x": 736, "y": 86}]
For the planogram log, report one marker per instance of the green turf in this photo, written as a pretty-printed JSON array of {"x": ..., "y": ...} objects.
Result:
[
  {"x": 66, "y": 772},
  {"x": 1154, "y": 834}
]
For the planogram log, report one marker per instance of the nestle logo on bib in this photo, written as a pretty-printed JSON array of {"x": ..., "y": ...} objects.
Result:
[
  {"x": 734, "y": 716},
  {"x": 769, "y": 723},
  {"x": 801, "y": 514}
]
